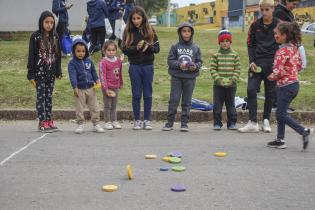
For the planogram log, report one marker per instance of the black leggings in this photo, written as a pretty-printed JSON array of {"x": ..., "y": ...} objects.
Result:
[{"x": 44, "y": 89}]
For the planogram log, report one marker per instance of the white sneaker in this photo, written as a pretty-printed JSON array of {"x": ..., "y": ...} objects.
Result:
[
  {"x": 250, "y": 127},
  {"x": 116, "y": 125},
  {"x": 266, "y": 126},
  {"x": 147, "y": 125},
  {"x": 79, "y": 129},
  {"x": 98, "y": 129},
  {"x": 137, "y": 125},
  {"x": 108, "y": 126}
]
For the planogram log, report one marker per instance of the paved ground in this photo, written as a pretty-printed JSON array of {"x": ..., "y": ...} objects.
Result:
[{"x": 66, "y": 171}]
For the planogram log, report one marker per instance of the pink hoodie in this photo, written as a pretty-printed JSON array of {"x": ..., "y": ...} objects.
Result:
[{"x": 110, "y": 73}]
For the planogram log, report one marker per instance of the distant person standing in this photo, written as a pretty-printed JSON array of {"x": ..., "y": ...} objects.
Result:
[
  {"x": 60, "y": 9},
  {"x": 97, "y": 11},
  {"x": 116, "y": 12},
  {"x": 283, "y": 11},
  {"x": 129, "y": 5}
]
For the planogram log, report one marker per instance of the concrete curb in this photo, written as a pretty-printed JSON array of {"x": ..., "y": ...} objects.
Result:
[{"x": 195, "y": 116}]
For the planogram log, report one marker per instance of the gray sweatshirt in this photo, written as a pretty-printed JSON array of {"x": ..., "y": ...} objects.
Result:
[{"x": 184, "y": 52}]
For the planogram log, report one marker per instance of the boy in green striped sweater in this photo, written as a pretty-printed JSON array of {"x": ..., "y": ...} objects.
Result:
[{"x": 225, "y": 71}]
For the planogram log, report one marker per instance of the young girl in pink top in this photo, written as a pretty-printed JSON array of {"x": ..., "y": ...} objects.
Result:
[
  {"x": 110, "y": 73},
  {"x": 287, "y": 65}
]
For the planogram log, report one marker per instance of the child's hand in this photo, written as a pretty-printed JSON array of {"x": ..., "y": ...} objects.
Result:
[
  {"x": 253, "y": 67},
  {"x": 122, "y": 57},
  {"x": 192, "y": 67},
  {"x": 97, "y": 85},
  {"x": 33, "y": 83},
  {"x": 220, "y": 81},
  {"x": 59, "y": 77},
  {"x": 76, "y": 92},
  {"x": 146, "y": 46},
  {"x": 140, "y": 44},
  {"x": 182, "y": 66},
  {"x": 69, "y": 6}
]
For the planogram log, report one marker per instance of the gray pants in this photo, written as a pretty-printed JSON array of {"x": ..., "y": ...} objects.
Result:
[
  {"x": 110, "y": 103},
  {"x": 180, "y": 89}
]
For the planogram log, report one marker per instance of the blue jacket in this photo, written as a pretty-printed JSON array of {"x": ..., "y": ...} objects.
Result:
[
  {"x": 59, "y": 8},
  {"x": 97, "y": 11},
  {"x": 115, "y": 7},
  {"x": 82, "y": 73}
]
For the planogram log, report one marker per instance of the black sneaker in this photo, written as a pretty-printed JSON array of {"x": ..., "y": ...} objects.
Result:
[
  {"x": 168, "y": 127},
  {"x": 307, "y": 138},
  {"x": 217, "y": 127},
  {"x": 184, "y": 128},
  {"x": 277, "y": 144}
]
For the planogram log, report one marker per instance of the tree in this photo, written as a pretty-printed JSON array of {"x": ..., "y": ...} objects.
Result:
[{"x": 153, "y": 6}]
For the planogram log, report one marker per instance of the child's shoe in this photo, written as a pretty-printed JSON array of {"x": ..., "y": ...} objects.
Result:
[
  {"x": 147, "y": 125},
  {"x": 108, "y": 126},
  {"x": 266, "y": 126},
  {"x": 184, "y": 128},
  {"x": 217, "y": 127},
  {"x": 306, "y": 138},
  {"x": 279, "y": 144},
  {"x": 137, "y": 125},
  {"x": 79, "y": 129},
  {"x": 52, "y": 125},
  {"x": 44, "y": 127},
  {"x": 98, "y": 128},
  {"x": 116, "y": 125},
  {"x": 232, "y": 127},
  {"x": 168, "y": 126}
]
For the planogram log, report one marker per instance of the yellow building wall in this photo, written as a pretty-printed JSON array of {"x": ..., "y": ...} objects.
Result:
[
  {"x": 204, "y": 12},
  {"x": 304, "y": 15}
]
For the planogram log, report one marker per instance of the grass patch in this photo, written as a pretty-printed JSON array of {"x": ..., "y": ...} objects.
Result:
[{"x": 16, "y": 92}]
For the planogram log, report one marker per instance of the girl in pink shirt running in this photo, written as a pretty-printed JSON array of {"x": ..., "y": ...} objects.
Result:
[{"x": 110, "y": 73}]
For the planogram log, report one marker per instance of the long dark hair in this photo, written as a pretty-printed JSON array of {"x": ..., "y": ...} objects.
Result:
[
  {"x": 147, "y": 30},
  {"x": 292, "y": 30},
  {"x": 284, "y": 2}
]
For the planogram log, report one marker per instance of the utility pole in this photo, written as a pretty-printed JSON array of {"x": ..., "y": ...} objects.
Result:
[
  {"x": 244, "y": 15},
  {"x": 169, "y": 13}
]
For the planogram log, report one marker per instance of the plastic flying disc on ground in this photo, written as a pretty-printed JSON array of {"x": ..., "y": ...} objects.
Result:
[
  {"x": 109, "y": 188},
  {"x": 220, "y": 154},
  {"x": 166, "y": 159},
  {"x": 175, "y": 154},
  {"x": 178, "y": 168},
  {"x": 150, "y": 156},
  {"x": 129, "y": 172},
  {"x": 164, "y": 168},
  {"x": 175, "y": 160},
  {"x": 178, "y": 188}
]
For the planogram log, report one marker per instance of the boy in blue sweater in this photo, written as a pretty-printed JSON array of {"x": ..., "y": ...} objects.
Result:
[{"x": 83, "y": 78}]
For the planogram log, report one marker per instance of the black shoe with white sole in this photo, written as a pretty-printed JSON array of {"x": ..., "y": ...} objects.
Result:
[
  {"x": 307, "y": 137},
  {"x": 277, "y": 144},
  {"x": 184, "y": 128}
]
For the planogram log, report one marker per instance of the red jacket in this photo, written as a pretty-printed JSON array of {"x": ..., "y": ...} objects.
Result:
[
  {"x": 287, "y": 65},
  {"x": 110, "y": 73}
]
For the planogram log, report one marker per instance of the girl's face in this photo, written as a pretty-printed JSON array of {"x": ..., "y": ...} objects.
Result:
[
  {"x": 186, "y": 34},
  {"x": 137, "y": 20},
  {"x": 110, "y": 51},
  {"x": 266, "y": 11},
  {"x": 280, "y": 38},
  {"x": 80, "y": 51},
  {"x": 292, "y": 5},
  {"x": 225, "y": 44},
  {"x": 48, "y": 24}
]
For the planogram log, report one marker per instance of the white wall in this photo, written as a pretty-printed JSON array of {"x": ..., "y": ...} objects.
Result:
[{"x": 23, "y": 15}]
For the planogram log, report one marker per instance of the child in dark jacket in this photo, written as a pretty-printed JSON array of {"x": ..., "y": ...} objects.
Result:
[
  {"x": 184, "y": 61},
  {"x": 44, "y": 66},
  {"x": 84, "y": 79}
]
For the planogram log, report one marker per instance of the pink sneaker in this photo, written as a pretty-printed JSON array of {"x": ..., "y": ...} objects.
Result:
[
  {"x": 44, "y": 127},
  {"x": 52, "y": 125}
]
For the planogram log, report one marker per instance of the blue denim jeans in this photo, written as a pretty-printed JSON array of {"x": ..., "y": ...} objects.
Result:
[
  {"x": 141, "y": 77},
  {"x": 285, "y": 96}
]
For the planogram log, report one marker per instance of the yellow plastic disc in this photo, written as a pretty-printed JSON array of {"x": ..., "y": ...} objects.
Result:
[
  {"x": 150, "y": 156},
  {"x": 166, "y": 159},
  {"x": 109, "y": 188},
  {"x": 220, "y": 154},
  {"x": 129, "y": 172}
]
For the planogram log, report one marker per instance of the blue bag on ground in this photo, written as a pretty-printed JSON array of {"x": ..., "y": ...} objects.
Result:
[
  {"x": 66, "y": 44},
  {"x": 201, "y": 105}
]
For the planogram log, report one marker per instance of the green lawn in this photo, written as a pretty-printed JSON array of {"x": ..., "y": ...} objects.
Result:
[{"x": 16, "y": 92}]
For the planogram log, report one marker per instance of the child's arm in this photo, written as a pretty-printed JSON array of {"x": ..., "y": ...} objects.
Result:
[
  {"x": 58, "y": 60},
  {"x": 102, "y": 75},
  {"x": 251, "y": 43},
  {"x": 198, "y": 60},
  {"x": 155, "y": 47},
  {"x": 172, "y": 59},
  {"x": 237, "y": 68},
  {"x": 31, "y": 59},
  {"x": 120, "y": 75},
  {"x": 56, "y": 7},
  {"x": 72, "y": 75},
  {"x": 278, "y": 67},
  {"x": 214, "y": 67},
  {"x": 94, "y": 74}
]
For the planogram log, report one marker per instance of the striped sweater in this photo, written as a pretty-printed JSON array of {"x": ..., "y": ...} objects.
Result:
[{"x": 225, "y": 65}]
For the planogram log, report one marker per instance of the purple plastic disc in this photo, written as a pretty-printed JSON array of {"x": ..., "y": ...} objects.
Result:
[
  {"x": 164, "y": 168},
  {"x": 176, "y": 154},
  {"x": 178, "y": 188}
]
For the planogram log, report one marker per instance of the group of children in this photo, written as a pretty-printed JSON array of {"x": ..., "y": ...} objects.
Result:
[{"x": 140, "y": 43}]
